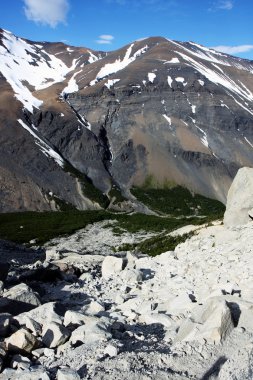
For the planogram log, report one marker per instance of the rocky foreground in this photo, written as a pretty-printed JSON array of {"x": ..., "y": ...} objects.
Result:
[{"x": 72, "y": 313}]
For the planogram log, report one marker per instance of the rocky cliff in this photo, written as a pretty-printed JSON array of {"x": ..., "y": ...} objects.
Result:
[{"x": 73, "y": 120}]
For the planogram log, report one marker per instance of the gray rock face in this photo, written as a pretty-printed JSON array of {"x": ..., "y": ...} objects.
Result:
[{"x": 240, "y": 199}]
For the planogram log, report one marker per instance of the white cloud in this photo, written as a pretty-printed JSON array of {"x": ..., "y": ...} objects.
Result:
[
  {"x": 105, "y": 39},
  {"x": 233, "y": 49},
  {"x": 47, "y": 12},
  {"x": 225, "y": 5}
]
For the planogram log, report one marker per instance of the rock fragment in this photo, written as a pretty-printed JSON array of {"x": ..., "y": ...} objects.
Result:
[
  {"x": 21, "y": 341},
  {"x": 54, "y": 334}
]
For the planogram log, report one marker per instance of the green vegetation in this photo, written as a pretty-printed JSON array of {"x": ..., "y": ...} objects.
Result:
[
  {"x": 156, "y": 245},
  {"x": 43, "y": 226},
  {"x": 177, "y": 206},
  {"x": 178, "y": 201},
  {"x": 116, "y": 193},
  {"x": 88, "y": 189}
]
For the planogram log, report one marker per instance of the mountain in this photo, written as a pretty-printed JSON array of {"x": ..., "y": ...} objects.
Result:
[{"x": 78, "y": 124}]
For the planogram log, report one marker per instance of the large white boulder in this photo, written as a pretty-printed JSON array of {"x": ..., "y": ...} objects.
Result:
[
  {"x": 240, "y": 198},
  {"x": 211, "y": 322},
  {"x": 111, "y": 265}
]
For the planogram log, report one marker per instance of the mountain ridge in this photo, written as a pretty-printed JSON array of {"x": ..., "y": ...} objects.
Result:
[{"x": 154, "y": 107}]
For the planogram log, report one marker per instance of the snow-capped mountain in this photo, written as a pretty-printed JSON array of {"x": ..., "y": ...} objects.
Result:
[{"x": 156, "y": 110}]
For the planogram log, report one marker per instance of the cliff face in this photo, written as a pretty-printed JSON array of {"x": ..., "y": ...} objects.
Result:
[{"x": 156, "y": 109}]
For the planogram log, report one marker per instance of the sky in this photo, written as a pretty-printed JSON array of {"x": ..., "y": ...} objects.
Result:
[{"x": 110, "y": 24}]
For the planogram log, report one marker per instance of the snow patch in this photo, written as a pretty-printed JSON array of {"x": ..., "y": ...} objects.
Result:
[
  {"x": 173, "y": 60},
  {"x": 111, "y": 82},
  {"x": 151, "y": 77},
  {"x": 201, "y": 82},
  {"x": 167, "y": 118},
  {"x": 44, "y": 147},
  {"x": 92, "y": 57},
  {"x": 181, "y": 80},
  {"x": 72, "y": 85},
  {"x": 23, "y": 62},
  {"x": 112, "y": 68},
  {"x": 245, "y": 138},
  {"x": 170, "y": 80},
  {"x": 220, "y": 79},
  {"x": 193, "y": 109}
]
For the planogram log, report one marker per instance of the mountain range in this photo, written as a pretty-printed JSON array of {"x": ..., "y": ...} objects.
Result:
[{"x": 80, "y": 128}]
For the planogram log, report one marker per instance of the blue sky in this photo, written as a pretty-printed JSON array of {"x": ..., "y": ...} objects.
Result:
[{"x": 110, "y": 24}]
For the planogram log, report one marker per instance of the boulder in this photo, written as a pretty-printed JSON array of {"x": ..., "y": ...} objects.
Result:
[
  {"x": 44, "y": 314},
  {"x": 240, "y": 199},
  {"x": 131, "y": 276},
  {"x": 24, "y": 294},
  {"x": 111, "y": 265},
  {"x": 111, "y": 350},
  {"x": 54, "y": 334},
  {"x": 33, "y": 326},
  {"x": 212, "y": 322},
  {"x": 67, "y": 374},
  {"x": 21, "y": 341},
  {"x": 12, "y": 374},
  {"x": 73, "y": 318},
  {"x": 94, "y": 330},
  {"x": 94, "y": 308}
]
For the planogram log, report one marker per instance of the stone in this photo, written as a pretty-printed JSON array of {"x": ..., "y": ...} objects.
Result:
[
  {"x": 157, "y": 318},
  {"x": 86, "y": 277},
  {"x": 110, "y": 266},
  {"x": 52, "y": 254},
  {"x": 33, "y": 326},
  {"x": 44, "y": 314},
  {"x": 94, "y": 308},
  {"x": 73, "y": 318},
  {"x": 5, "y": 320},
  {"x": 48, "y": 352},
  {"x": 212, "y": 322},
  {"x": 54, "y": 334},
  {"x": 21, "y": 341},
  {"x": 94, "y": 330},
  {"x": 131, "y": 276},
  {"x": 24, "y": 294},
  {"x": 239, "y": 199},
  {"x": 67, "y": 374},
  {"x": 111, "y": 350}
]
